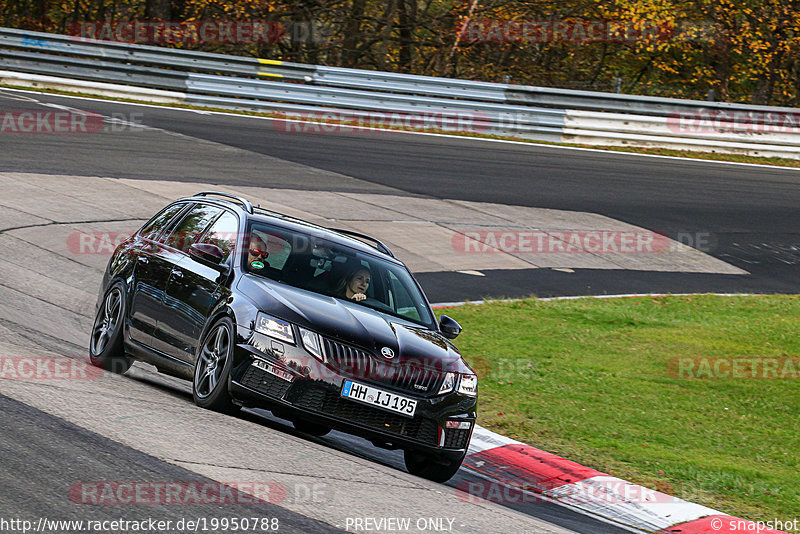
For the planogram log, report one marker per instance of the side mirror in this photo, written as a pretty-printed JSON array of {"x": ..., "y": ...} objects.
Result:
[
  {"x": 208, "y": 254},
  {"x": 449, "y": 327}
]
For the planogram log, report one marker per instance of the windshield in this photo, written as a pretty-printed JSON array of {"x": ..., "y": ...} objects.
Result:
[{"x": 335, "y": 270}]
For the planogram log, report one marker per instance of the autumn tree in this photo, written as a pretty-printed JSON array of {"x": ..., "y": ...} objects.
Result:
[{"x": 734, "y": 50}]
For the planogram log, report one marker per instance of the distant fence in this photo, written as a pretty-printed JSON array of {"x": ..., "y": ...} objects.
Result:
[{"x": 320, "y": 92}]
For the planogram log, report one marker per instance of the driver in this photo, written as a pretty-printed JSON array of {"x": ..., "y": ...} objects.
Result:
[{"x": 355, "y": 285}]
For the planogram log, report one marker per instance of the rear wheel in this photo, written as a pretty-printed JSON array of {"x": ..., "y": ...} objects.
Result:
[
  {"x": 212, "y": 369},
  {"x": 436, "y": 467},
  {"x": 106, "y": 348}
]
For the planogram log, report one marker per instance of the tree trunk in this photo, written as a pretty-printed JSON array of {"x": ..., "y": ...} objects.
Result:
[
  {"x": 382, "y": 50},
  {"x": 158, "y": 10},
  {"x": 407, "y": 29},
  {"x": 351, "y": 55}
]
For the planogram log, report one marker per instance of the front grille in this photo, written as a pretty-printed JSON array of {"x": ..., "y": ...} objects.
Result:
[
  {"x": 360, "y": 364},
  {"x": 264, "y": 383},
  {"x": 355, "y": 362},
  {"x": 330, "y": 403},
  {"x": 455, "y": 438}
]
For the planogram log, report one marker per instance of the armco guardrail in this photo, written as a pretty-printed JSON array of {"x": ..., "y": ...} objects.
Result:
[
  {"x": 359, "y": 95},
  {"x": 146, "y": 55}
]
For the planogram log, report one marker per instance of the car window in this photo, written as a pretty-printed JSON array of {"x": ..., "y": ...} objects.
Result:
[
  {"x": 278, "y": 248},
  {"x": 160, "y": 221},
  {"x": 223, "y": 233},
  {"x": 316, "y": 264},
  {"x": 400, "y": 300},
  {"x": 192, "y": 226}
]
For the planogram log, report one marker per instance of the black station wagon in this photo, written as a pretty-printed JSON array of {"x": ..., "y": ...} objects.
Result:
[{"x": 324, "y": 327}]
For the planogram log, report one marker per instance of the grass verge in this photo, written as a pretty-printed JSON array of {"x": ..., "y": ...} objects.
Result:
[
  {"x": 598, "y": 381},
  {"x": 711, "y": 156}
]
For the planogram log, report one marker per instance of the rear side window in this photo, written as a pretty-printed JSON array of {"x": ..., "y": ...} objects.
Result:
[
  {"x": 192, "y": 226},
  {"x": 268, "y": 250},
  {"x": 160, "y": 221},
  {"x": 279, "y": 250}
]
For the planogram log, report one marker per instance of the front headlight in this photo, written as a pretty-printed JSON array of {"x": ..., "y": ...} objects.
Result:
[
  {"x": 312, "y": 343},
  {"x": 274, "y": 327},
  {"x": 468, "y": 385}
]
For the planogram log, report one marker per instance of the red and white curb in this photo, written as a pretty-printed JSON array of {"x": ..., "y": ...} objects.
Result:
[{"x": 516, "y": 472}]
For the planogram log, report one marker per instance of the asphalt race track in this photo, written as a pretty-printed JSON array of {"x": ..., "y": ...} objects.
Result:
[
  {"x": 746, "y": 216},
  {"x": 27, "y": 469},
  {"x": 144, "y": 426}
]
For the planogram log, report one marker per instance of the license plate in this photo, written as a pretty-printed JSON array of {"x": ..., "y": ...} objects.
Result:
[
  {"x": 379, "y": 398},
  {"x": 271, "y": 369}
]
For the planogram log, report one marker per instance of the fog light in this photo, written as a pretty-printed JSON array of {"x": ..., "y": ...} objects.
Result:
[{"x": 458, "y": 425}]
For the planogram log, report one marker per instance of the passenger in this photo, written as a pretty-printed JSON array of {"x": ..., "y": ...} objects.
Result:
[
  {"x": 257, "y": 253},
  {"x": 355, "y": 285}
]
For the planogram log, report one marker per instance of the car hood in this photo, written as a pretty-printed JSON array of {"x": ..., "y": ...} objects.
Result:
[{"x": 353, "y": 324}]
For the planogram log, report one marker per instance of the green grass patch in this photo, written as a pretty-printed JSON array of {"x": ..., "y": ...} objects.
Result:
[
  {"x": 597, "y": 381},
  {"x": 711, "y": 156}
]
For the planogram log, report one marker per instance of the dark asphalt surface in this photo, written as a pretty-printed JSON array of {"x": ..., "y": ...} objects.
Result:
[
  {"x": 530, "y": 505},
  {"x": 527, "y": 504},
  {"x": 747, "y": 215},
  {"x": 43, "y": 457},
  {"x": 544, "y": 283}
]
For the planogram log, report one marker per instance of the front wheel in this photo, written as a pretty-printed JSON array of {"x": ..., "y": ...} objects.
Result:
[
  {"x": 432, "y": 466},
  {"x": 106, "y": 348},
  {"x": 212, "y": 369}
]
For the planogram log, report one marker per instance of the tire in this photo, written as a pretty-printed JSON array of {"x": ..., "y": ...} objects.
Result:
[
  {"x": 212, "y": 368},
  {"x": 106, "y": 349},
  {"x": 307, "y": 427},
  {"x": 432, "y": 466}
]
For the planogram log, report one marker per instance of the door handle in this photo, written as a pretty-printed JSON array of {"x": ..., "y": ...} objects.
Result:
[
  {"x": 143, "y": 259},
  {"x": 177, "y": 274}
]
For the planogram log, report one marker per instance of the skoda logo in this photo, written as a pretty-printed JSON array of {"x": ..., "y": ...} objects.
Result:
[{"x": 387, "y": 353}]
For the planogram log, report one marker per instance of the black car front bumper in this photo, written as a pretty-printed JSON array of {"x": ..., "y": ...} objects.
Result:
[{"x": 308, "y": 394}]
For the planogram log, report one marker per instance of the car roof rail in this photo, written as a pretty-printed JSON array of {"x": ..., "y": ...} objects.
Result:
[
  {"x": 241, "y": 200},
  {"x": 375, "y": 243},
  {"x": 273, "y": 213}
]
